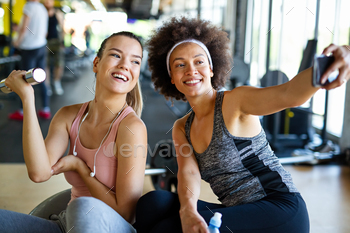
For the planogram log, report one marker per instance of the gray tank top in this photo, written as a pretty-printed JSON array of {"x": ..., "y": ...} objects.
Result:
[{"x": 239, "y": 169}]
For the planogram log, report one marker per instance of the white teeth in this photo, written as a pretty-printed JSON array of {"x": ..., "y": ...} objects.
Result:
[
  {"x": 192, "y": 81},
  {"x": 120, "y": 76}
]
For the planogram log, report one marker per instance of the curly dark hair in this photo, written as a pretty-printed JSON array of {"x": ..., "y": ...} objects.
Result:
[{"x": 179, "y": 29}]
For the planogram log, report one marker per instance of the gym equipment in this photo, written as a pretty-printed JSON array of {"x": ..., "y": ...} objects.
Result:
[
  {"x": 7, "y": 64},
  {"x": 294, "y": 126},
  {"x": 164, "y": 158},
  {"x": 325, "y": 151},
  {"x": 4, "y": 41},
  {"x": 33, "y": 76},
  {"x": 290, "y": 127},
  {"x": 240, "y": 73},
  {"x": 240, "y": 70},
  {"x": 75, "y": 61},
  {"x": 52, "y": 205}
]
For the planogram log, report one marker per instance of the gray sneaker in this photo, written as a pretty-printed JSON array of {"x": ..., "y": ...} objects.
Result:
[
  {"x": 48, "y": 90},
  {"x": 58, "y": 88}
]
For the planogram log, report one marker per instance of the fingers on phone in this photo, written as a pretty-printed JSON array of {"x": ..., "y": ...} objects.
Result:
[
  {"x": 333, "y": 67},
  {"x": 341, "y": 79},
  {"x": 329, "y": 49}
]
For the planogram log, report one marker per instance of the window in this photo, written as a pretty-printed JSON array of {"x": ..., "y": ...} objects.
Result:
[{"x": 293, "y": 24}]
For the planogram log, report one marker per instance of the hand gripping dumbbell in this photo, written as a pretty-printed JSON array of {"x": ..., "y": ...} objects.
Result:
[{"x": 32, "y": 76}]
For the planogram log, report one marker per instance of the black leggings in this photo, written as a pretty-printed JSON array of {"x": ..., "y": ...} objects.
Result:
[
  {"x": 158, "y": 211},
  {"x": 36, "y": 58}
]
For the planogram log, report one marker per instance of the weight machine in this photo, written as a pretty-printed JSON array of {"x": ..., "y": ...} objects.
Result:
[{"x": 282, "y": 134}]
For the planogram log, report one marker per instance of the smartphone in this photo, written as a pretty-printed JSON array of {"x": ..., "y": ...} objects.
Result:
[{"x": 321, "y": 64}]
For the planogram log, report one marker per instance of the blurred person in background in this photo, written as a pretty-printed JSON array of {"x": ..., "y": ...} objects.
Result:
[
  {"x": 55, "y": 44},
  {"x": 87, "y": 34},
  {"x": 31, "y": 42}
]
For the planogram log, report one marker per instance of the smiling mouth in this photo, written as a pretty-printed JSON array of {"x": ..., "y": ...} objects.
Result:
[
  {"x": 193, "y": 81},
  {"x": 120, "y": 76}
]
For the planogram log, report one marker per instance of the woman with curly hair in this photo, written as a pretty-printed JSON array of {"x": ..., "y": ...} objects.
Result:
[{"x": 221, "y": 141}]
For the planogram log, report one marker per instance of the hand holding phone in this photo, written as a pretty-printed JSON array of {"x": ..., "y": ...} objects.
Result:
[{"x": 321, "y": 64}]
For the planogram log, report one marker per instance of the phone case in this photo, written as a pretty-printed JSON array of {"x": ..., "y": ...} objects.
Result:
[{"x": 321, "y": 64}]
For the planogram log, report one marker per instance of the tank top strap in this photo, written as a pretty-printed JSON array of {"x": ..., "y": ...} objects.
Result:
[
  {"x": 122, "y": 115},
  {"x": 188, "y": 127},
  {"x": 75, "y": 125},
  {"x": 217, "y": 115},
  {"x": 218, "y": 118}
]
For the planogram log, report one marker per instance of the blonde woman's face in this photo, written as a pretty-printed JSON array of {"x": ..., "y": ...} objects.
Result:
[
  {"x": 119, "y": 66},
  {"x": 190, "y": 70}
]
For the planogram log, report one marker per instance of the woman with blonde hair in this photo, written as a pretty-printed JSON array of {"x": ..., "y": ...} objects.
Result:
[{"x": 110, "y": 180}]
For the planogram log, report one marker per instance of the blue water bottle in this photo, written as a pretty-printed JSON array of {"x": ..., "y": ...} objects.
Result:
[{"x": 215, "y": 223}]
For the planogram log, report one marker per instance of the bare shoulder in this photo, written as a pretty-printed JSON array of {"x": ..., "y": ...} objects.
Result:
[
  {"x": 236, "y": 99},
  {"x": 239, "y": 92},
  {"x": 68, "y": 111},
  {"x": 132, "y": 123},
  {"x": 66, "y": 114},
  {"x": 179, "y": 124}
]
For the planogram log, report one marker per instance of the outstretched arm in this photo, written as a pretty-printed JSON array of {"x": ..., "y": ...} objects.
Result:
[
  {"x": 189, "y": 180},
  {"x": 265, "y": 101},
  {"x": 268, "y": 100}
]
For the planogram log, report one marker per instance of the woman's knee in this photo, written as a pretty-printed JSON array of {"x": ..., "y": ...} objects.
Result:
[
  {"x": 158, "y": 198},
  {"x": 82, "y": 204},
  {"x": 86, "y": 209},
  {"x": 88, "y": 213}
]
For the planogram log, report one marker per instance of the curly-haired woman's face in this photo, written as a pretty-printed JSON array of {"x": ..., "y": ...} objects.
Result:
[
  {"x": 119, "y": 66},
  {"x": 190, "y": 69}
]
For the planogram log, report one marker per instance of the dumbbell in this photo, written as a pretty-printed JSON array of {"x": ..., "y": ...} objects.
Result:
[{"x": 33, "y": 76}]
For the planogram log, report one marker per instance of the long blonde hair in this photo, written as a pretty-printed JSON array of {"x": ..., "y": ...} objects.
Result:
[{"x": 134, "y": 97}]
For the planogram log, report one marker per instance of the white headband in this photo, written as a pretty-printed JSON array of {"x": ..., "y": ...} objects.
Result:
[{"x": 187, "y": 41}]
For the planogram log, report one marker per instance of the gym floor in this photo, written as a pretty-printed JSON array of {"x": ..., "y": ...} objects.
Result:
[{"x": 325, "y": 188}]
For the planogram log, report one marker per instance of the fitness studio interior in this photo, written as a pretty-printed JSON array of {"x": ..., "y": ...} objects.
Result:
[{"x": 271, "y": 41}]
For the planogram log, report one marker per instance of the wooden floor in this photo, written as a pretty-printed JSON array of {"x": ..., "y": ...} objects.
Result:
[{"x": 326, "y": 190}]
